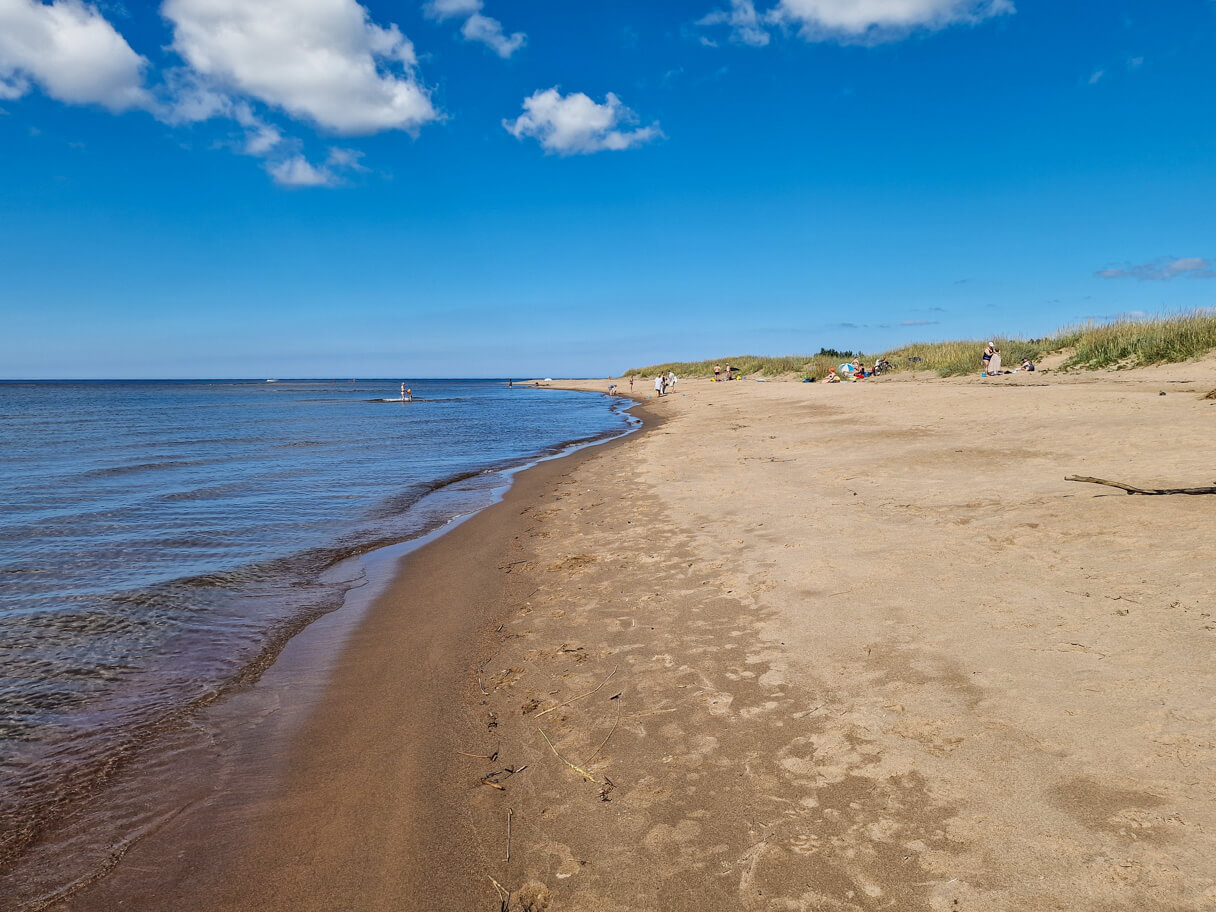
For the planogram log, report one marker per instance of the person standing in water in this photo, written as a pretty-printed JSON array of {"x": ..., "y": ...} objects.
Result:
[
  {"x": 409, "y": 395},
  {"x": 402, "y": 392}
]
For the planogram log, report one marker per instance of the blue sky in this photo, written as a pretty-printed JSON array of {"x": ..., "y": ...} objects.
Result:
[{"x": 217, "y": 188}]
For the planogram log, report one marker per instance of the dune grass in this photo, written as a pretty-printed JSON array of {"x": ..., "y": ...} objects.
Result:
[
  {"x": 749, "y": 365},
  {"x": 1118, "y": 344},
  {"x": 1161, "y": 340}
]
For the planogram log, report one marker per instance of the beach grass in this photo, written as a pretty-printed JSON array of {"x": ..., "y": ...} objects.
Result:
[
  {"x": 1117, "y": 344},
  {"x": 1160, "y": 340},
  {"x": 749, "y": 365}
]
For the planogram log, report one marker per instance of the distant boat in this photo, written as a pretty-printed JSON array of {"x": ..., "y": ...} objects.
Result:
[{"x": 272, "y": 381}]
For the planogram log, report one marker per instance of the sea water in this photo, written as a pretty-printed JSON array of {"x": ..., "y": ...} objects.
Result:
[{"x": 159, "y": 541}]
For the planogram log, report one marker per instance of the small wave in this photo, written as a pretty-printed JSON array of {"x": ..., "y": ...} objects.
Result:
[
  {"x": 401, "y": 501},
  {"x": 111, "y": 471}
]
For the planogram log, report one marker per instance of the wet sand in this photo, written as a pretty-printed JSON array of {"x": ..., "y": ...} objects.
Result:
[{"x": 796, "y": 648}]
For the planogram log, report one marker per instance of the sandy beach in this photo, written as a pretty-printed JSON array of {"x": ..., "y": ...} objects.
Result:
[{"x": 791, "y": 647}]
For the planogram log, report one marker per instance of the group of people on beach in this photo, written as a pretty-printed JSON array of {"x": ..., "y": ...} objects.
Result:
[
  {"x": 729, "y": 372},
  {"x": 663, "y": 383},
  {"x": 856, "y": 370},
  {"x": 991, "y": 362}
]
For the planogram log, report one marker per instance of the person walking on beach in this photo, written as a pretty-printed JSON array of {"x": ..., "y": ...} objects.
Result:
[
  {"x": 658, "y": 386},
  {"x": 631, "y": 384},
  {"x": 717, "y": 371},
  {"x": 671, "y": 379}
]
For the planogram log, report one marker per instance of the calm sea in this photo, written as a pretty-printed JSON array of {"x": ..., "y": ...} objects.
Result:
[{"x": 159, "y": 541}]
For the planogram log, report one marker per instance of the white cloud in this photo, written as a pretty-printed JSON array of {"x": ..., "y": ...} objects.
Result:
[
  {"x": 857, "y": 17},
  {"x": 71, "y": 51},
  {"x": 297, "y": 172},
  {"x": 477, "y": 26},
  {"x": 745, "y": 24},
  {"x": 1162, "y": 269},
  {"x": 320, "y": 60},
  {"x": 489, "y": 32},
  {"x": 574, "y": 124},
  {"x": 850, "y": 21},
  {"x": 1096, "y": 76}
]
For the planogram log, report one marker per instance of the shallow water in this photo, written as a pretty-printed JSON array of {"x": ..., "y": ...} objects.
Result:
[{"x": 159, "y": 541}]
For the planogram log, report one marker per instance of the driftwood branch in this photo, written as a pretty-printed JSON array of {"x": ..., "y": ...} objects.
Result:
[{"x": 1131, "y": 489}]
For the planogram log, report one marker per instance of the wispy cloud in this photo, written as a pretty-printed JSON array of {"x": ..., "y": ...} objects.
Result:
[
  {"x": 1161, "y": 269},
  {"x": 477, "y": 26},
  {"x": 297, "y": 171},
  {"x": 746, "y": 25},
  {"x": 850, "y": 21},
  {"x": 920, "y": 322},
  {"x": 345, "y": 158}
]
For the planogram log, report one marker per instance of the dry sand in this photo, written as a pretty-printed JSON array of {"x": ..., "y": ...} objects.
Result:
[{"x": 860, "y": 648}]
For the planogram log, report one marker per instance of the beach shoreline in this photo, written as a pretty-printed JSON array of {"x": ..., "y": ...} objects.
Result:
[
  {"x": 270, "y": 726},
  {"x": 796, "y": 647}
]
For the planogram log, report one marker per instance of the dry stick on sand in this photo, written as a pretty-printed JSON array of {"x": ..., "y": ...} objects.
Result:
[
  {"x": 1134, "y": 490},
  {"x": 504, "y": 895},
  {"x": 491, "y": 757},
  {"x": 494, "y": 779},
  {"x": 579, "y": 697},
  {"x": 578, "y": 769},
  {"x": 617, "y": 697},
  {"x": 510, "y": 813},
  {"x": 480, "y": 669}
]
